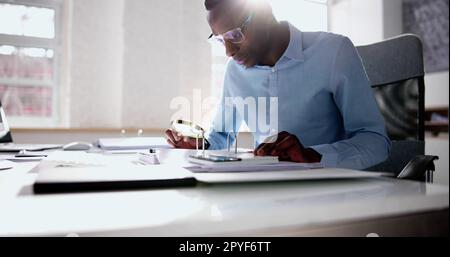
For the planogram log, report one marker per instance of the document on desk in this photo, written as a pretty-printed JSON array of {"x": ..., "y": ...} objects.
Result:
[
  {"x": 291, "y": 175},
  {"x": 68, "y": 172},
  {"x": 281, "y": 171},
  {"x": 132, "y": 143},
  {"x": 84, "y": 172},
  {"x": 6, "y": 165},
  {"x": 280, "y": 166}
]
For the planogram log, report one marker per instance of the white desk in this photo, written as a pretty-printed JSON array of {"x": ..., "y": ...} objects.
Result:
[{"x": 383, "y": 206}]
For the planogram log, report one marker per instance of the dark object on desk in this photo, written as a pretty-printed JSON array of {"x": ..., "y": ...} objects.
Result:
[
  {"x": 396, "y": 72},
  {"x": 413, "y": 171},
  {"x": 70, "y": 177},
  {"x": 7, "y": 138},
  {"x": 103, "y": 186}
]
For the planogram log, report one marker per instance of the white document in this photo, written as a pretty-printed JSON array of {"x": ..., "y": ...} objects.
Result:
[
  {"x": 12, "y": 147},
  {"x": 67, "y": 167},
  {"x": 50, "y": 172},
  {"x": 24, "y": 159},
  {"x": 6, "y": 165},
  {"x": 85, "y": 167},
  {"x": 131, "y": 143},
  {"x": 245, "y": 167},
  {"x": 221, "y": 161}
]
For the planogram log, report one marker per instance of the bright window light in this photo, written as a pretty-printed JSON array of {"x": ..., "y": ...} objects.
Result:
[
  {"x": 303, "y": 14},
  {"x": 7, "y": 50},
  {"x": 34, "y": 52},
  {"x": 29, "y": 51},
  {"x": 50, "y": 53},
  {"x": 24, "y": 20}
]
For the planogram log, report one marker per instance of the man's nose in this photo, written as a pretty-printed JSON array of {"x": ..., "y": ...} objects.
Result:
[{"x": 231, "y": 49}]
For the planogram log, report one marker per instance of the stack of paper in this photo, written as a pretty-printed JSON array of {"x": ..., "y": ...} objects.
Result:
[
  {"x": 12, "y": 147},
  {"x": 85, "y": 172},
  {"x": 293, "y": 175},
  {"x": 228, "y": 161},
  {"x": 280, "y": 166},
  {"x": 132, "y": 143},
  {"x": 245, "y": 161}
]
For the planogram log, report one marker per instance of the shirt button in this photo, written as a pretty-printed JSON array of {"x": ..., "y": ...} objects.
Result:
[{"x": 274, "y": 70}]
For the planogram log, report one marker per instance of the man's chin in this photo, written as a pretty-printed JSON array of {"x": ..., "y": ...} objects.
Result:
[{"x": 247, "y": 63}]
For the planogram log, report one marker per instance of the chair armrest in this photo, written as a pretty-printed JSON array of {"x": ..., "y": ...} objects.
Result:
[{"x": 420, "y": 168}]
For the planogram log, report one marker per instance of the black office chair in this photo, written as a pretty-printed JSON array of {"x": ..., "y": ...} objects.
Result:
[{"x": 395, "y": 69}]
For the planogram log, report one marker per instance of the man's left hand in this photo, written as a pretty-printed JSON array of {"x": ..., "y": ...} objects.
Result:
[{"x": 288, "y": 148}]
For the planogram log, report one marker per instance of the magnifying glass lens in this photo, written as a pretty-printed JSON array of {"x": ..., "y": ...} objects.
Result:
[{"x": 187, "y": 129}]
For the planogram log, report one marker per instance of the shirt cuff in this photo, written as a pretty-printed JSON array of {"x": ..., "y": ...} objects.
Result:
[
  {"x": 329, "y": 154},
  {"x": 215, "y": 140}
]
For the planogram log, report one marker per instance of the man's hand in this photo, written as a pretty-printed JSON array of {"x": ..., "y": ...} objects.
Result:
[
  {"x": 288, "y": 148},
  {"x": 178, "y": 141}
]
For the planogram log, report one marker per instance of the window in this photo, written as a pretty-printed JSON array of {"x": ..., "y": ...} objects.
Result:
[
  {"x": 306, "y": 15},
  {"x": 29, "y": 56}
]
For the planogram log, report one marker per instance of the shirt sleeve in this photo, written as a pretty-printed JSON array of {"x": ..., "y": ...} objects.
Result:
[
  {"x": 366, "y": 143},
  {"x": 226, "y": 119}
]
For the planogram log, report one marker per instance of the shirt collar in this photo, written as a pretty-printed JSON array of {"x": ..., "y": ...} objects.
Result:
[{"x": 295, "y": 47}]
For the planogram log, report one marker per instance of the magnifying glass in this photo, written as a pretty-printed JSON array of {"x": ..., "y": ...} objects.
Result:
[
  {"x": 190, "y": 129},
  {"x": 187, "y": 128}
]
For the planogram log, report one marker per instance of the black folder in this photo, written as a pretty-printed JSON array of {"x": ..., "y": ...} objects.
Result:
[{"x": 54, "y": 177}]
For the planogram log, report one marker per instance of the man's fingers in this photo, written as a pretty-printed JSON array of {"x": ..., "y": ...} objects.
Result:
[
  {"x": 271, "y": 143},
  {"x": 170, "y": 142},
  {"x": 276, "y": 138},
  {"x": 296, "y": 155},
  {"x": 178, "y": 141},
  {"x": 169, "y": 134},
  {"x": 284, "y": 157},
  {"x": 193, "y": 143},
  {"x": 265, "y": 149},
  {"x": 259, "y": 147},
  {"x": 282, "y": 148},
  {"x": 173, "y": 140},
  {"x": 285, "y": 144},
  {"x": 272, "y": 139},
  {"x": 177, "y": 136}
]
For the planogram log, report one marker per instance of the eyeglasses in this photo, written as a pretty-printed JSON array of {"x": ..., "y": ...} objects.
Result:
[{"x": 235, "y": 36}]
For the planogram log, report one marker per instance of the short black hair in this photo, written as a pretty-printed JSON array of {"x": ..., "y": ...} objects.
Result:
[{"x": 211, "y": 4}]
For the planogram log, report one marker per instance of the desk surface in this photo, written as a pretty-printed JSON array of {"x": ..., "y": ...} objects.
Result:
[{"x": 264, "y": 209}]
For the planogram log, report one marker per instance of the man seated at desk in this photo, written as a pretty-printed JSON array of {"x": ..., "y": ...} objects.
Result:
[{"x": 327, "y": 110}]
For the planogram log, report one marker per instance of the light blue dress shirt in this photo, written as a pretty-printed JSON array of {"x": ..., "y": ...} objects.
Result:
[{"x": 324, "y": 98}]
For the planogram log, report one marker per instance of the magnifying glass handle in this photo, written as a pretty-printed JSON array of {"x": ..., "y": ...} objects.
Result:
[
  {"x": 196, "y": 142},
  {"x": 236, "y": 143},
  {"x": 228, "y": 142},
  {"x": 203, "y": 142}
]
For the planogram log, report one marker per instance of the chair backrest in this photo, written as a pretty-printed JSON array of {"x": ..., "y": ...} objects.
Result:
[{"x": 395, "y": 68}]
